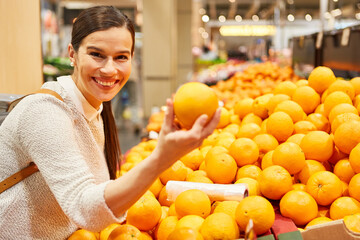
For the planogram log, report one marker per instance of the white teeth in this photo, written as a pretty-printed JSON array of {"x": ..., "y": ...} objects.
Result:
[{"x": 104, "y": 83}]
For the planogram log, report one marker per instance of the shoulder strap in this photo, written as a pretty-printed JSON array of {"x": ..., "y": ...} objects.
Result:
[
  {"x": 41, "y": 90},
  {"x": 32, "y": 168},
  {"x": 17, "y": 177}
]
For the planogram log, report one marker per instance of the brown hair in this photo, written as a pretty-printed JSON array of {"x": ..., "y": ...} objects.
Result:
[{"x": 90, "y": 20}]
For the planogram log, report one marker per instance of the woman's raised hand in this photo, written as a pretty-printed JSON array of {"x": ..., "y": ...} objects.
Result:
[{"x": 173, "y": 143}]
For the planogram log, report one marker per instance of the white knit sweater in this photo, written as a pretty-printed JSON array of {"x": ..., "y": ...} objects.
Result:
[{"x": 68, "y": 191}]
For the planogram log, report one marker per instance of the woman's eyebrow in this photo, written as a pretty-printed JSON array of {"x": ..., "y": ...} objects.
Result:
[{"x": 100, "y": 50}]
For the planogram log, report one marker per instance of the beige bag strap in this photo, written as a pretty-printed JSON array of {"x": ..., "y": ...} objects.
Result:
[{"x": 32, "y": 168}]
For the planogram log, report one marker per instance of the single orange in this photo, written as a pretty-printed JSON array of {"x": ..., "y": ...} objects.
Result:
[
  {"x": 304, "y": 127},
  {"x": 344, "y": 206},
  {"x": 285, "y": 87},
  {"x": 192, "y": 100},
  {"x": 193, "y": 159},
  {"x": 296, "y": 138},
  {"x": 219, "y": 226},
  {"x": 193, "y": 202},
  {"x": 343, "y": 170},
  {"x": 232, "y": 128},
  {"x": 220, "y": 168},
  {"x": 299, "y": 206},
  {"x": 165, "y": 227},
  {"x": 228, "y": 207},
  {"x": 354, "y": 187},
  {"x": 185, "y": 233},
  {"x": 356, "y": 84},
  {"x": 290, "y": 156},
  {"x": 156, "y": 187},
  {"x": 145, "y": 236},
  {"x": 320, "y": 109},
  {"x": 243, "y": 107},
  {"x": 317, "y": 145},
  {"x": 317, "y": 221},
  {"x": 274, "y": 182},
  {"x": 125, "y": 232},
  {"x": 307, "y": 98},
  {"x": 259, "y": 210},
  {"x": 224, "y": 118},
  {"x": 354, "y": 157},
  {"x": 252, "y": 185},
  {"x": 145, "y": 214},
  {"x": 190, "y": 221},
  {"x": 244, "y": 151},
  {"x": 320, "y": 121},
  {"x": 347, "y": 136},
  {"x": 251, "y": 118},
  {"x": 324, "y": 186},
  {"x": 250, "y": 171},
  {"x": 259, "y": 105},
  {"x": 163, "y": 198},
  {"x": 352, "y": 222},
  {"x": 248, "y": 130},
  {"x": 321, "y": 78},
  {"x": 104, "y": 234},
  {"x": 176, "y": 172},
  {"x": 265, "y": 142},
  {"x": 280, "y": 125},
  {"x": 82, "y": 234},
  {"x": 266, "y": 161}
]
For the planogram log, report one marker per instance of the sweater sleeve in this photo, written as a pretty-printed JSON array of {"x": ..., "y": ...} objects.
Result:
[{"x": 46, "y": 134}]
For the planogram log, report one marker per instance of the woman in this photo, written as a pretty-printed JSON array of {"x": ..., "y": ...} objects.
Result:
[{"x": 75, "y": 186}]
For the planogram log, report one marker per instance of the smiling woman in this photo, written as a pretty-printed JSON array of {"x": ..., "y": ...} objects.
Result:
[{"x": 74, "y": 143}]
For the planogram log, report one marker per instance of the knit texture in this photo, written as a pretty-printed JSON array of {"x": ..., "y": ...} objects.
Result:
[{"x": 68, "y": 191}]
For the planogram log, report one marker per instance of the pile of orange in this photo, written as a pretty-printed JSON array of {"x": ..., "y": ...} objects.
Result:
[{"x": 297, "y": 145}]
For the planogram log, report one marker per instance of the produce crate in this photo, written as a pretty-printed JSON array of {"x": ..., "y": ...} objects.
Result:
[{"x": 334, "y": 230}]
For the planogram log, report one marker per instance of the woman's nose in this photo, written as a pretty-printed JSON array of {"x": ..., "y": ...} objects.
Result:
[{"x": 109, "y": 67}]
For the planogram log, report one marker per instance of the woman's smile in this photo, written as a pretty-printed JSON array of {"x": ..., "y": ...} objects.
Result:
[{"x": 106, "y": 83}]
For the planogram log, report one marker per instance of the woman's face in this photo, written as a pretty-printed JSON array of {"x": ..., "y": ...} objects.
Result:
[{"x": 102, "y": 64}]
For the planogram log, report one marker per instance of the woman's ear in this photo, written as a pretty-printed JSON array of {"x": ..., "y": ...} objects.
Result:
[{"x": 71, "y": 53}]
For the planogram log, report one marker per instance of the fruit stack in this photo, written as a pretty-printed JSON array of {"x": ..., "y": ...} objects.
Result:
[{"x": 297, "y": 147}]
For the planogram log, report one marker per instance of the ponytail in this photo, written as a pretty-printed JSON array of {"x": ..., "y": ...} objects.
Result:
[{"x": 112, "y": 146}]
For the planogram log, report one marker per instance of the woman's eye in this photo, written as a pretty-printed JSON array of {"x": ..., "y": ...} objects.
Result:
[
  {"x": 122, "y": 57},
  {"x": 95, "y": 54}
]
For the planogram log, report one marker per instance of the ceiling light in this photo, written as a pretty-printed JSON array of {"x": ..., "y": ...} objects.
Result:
[
  {"x": 205, "y": 18},
  {"x": 290, "y": 2},
  {"x": 248, "y": 30},
  {"x": 232, "y": 1},
  {"x": 336, "y": 12},
  {"x": 222, "y": 18},
  {"x": 255, "y": 18},
  {"x": 205, "y": 35},
  {"x": 202, "y": 11},
  {"x": 308, "y": 17},
  {"x": 290, "y": 17},
  {"x": 335, "y": 0},
  {"x": 238, "y": 18},
  {"x": 357, "y": 16},
  {"x": 201, "y": 29}
]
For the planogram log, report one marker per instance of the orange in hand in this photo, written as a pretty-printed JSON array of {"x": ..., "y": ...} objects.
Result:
[{"x": 192, "y": 100}]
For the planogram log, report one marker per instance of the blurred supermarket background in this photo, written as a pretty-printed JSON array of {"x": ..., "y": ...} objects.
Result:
[{"x": 178, "y": 41}]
